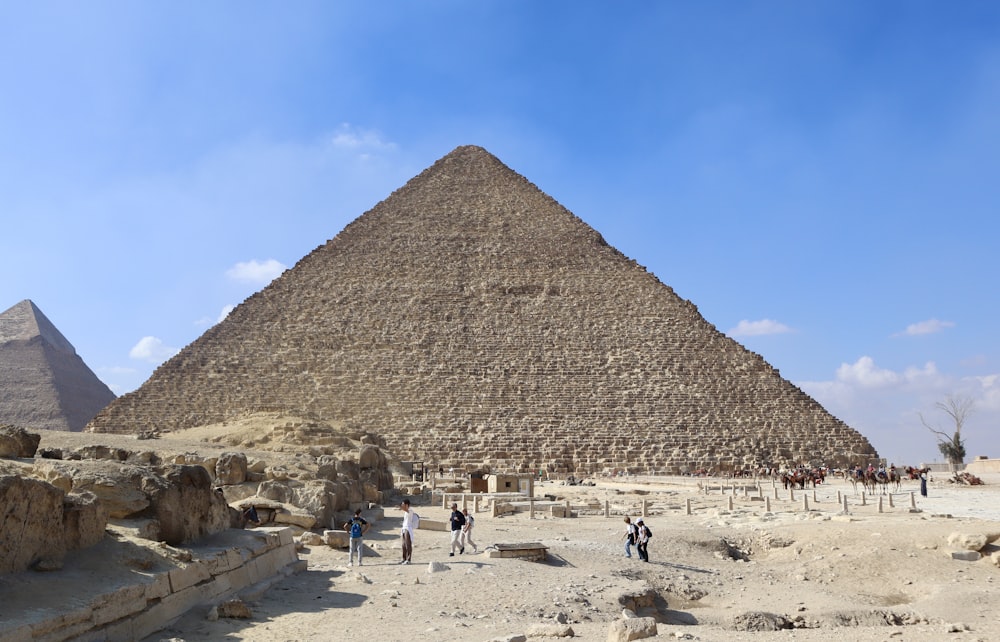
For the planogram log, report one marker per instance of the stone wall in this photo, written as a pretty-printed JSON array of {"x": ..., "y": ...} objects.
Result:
[{"x": 473, "y": 321}]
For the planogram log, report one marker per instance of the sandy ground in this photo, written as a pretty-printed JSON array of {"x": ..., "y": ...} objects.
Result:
[{"x": 865, "y": 575}]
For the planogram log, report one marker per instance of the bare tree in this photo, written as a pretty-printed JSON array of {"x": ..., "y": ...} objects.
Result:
[{"x": 951, "y": 444}]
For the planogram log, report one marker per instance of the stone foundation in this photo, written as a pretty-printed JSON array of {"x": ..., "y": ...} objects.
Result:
[{"x": 80, "y": 604}]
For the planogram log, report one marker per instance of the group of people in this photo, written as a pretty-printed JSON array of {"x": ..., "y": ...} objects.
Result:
[
  {"x": 637, "y": 534},
  {"x": 462, "y": 524}
]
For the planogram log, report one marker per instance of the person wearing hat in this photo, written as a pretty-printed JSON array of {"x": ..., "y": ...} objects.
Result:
[
  {"x": 457, "y": 523},
  {"x": 642, "y": 540}
]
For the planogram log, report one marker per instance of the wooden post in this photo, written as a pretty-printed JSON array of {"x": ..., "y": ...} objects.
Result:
[
  {"x": 791, "y": 494},
  {"x": 607, "y": 508},
  {"x": 569, "y": 509},
  {"x": 845, "y": 503},
  {"x": 645, "y": 507},
  {"x": 805, "y": 502},
  {"x": 890, "y": 501},
  {"x": 913, "y": 499},
  {"x": 444, "y": 501},
  {"x": 815, "y": 501},
  {"x": 729, "y": 502},
  {"x": 475, "y": 504},
  {"x": 767, "y": 504},
  {"x": 465, "y": 501},
  {"x": 531, "y": 508},
  {"x": 864, "y": 499},
  {"x": 838, "y": 496},
  {"x": 687, "y": 506},
  {"x": 880, "y": 504},
  {"x": 776, "y": 492}
]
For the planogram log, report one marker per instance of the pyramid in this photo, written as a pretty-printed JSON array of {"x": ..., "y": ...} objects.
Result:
[
  {"x": 473, "y": 321},
  {"x": 44, "y": 384}
]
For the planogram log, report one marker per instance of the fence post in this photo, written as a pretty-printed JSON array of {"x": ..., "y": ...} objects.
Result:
[{"x": 687, "y": 506}]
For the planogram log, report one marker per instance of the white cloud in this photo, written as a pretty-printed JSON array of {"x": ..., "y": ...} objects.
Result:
[
  {"x": 931, "y": 326},
  {"x": 866, "y": 374},
  {"x": 354, "y": 138},
  {"x": 885, "y": 406},
  {"x": 256, "y": 272},
  {"x": 225, "y": 313},
  {"x": 152, "y": 350},
  {"x": 758, "y": 328}
]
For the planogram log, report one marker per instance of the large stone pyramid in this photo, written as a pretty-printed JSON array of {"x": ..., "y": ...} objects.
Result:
[
  {"x": 44, "y": 384},
  {"x": 473, "y": 321}
]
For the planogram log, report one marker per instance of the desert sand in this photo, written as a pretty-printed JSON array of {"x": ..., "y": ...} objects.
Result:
[
  {"x": 715, "y": 573},
  {"x": 863, "y": 575}
]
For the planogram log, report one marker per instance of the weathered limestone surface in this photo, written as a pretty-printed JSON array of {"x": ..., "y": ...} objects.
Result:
[
  {"x": 41, "y": 523},
  {"x": 473, "y": 321},
  {"x": 44, "y": 384}
]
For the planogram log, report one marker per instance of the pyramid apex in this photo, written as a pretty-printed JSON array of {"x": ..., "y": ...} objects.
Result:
[{"x": 25, "y": 321}]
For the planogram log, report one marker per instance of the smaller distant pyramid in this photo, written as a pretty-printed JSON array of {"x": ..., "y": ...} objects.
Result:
[{"x": 44, "y": 384}]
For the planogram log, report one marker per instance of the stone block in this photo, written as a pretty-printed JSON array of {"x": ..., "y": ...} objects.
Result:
[
  {"x": 186, "y": 576},
  {"x": 125, "y": 602},
  {"x": 966, "y": 556},
  {"x": 433, "y": 525},
  {"x": 158, "y": 587}
]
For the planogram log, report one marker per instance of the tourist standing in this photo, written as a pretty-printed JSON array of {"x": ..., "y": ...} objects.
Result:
[
  {"x": 457, "y": 523},
  {"x": 642, "y": 539},
  {"x": 470, "y": 521},
  {"x": 923, "y": 482},
  {"x": 357, "y": 527},
  {"x": 410, "y": 522},
  {"x": 629, "y": 536}
]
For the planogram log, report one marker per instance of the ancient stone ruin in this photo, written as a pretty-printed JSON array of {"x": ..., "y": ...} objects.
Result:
[
  {"x": 473, "y": 321},
  {"x": 44, "y": 383}
]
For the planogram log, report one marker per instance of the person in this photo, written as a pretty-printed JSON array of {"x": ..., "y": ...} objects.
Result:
[
  {"x": 250, "y": 517},
  {"x": 470, "y": 521},
  {"x": 457, "y": 523},
  {"x": 923, "y": 482},
  {"x": 629, "y": 536},
  {"x": 642, "y": 540},
  {"x": 357, "y": 527},
  {"x": 410, "y": 522}
]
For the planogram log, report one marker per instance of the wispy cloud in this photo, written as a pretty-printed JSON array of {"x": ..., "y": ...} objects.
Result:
[
  {"x": 348, "y": 136},
  {"x": 931, "y": 326},
  {"x": 256, "y": 272},
  {"x": 747, "y": 328},
  {"x": 152, "y": 350}
]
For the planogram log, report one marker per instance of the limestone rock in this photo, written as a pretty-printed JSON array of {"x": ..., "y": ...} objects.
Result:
[
  {"x": 235, "y": 609},
  {"x": 231, "y": 468},
  {"x": 636, "y": 628},
  {"x": 546, "y": 630},
  {"x": 31, "y": 528},
  {"x": 17, "y": 442},
  {"x": 968, "y": 541}
]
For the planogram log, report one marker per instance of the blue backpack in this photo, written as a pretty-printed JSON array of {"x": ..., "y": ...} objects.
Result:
[{"x": 356, "y": 528}]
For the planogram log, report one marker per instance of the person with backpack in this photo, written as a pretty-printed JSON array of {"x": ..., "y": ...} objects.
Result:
[
  {"x": 629, "y": 536},
  {"x": 642, "y": 534},
  {"x": 457, "y": 524},
  {"x": 470, "y": 521},
  {"x": 357, "y": 527}
]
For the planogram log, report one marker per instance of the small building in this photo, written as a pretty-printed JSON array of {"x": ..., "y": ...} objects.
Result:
[{"x": 523, "y": 483}]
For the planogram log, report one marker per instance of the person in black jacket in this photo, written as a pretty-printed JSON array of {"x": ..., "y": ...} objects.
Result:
[{"x": 457, "y": 522}]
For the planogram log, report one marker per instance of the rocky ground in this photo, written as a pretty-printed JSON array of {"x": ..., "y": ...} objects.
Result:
[
  {"x": 717, "y": 574},
  {"x": 720, "y": 573}
]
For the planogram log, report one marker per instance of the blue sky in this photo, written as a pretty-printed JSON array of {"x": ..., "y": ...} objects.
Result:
[{"x": 819, "y": 178}]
